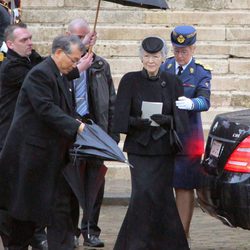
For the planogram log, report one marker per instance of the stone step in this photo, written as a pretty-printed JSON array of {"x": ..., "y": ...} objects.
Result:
[
  {"x": 219, "y": 65},
  {"x": 173, "y": 4},
  {"x": 138, "y": 32},
  {"x": 137, "y": 16},
  {"x": 116, "y": 48},
  {"x": 227, "y": 82}
]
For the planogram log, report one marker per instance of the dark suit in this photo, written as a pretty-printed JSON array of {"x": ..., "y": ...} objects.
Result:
[{"x": 36, "y": 147}]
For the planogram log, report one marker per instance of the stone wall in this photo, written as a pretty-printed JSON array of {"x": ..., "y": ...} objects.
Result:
[{"x": 223, "y": 38}]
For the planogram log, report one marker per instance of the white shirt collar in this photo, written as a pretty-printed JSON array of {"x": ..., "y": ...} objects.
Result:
[{"x": 184, "y": 66}]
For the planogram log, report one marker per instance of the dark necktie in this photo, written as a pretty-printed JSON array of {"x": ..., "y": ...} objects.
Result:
[{"x": 179, "y": 70}]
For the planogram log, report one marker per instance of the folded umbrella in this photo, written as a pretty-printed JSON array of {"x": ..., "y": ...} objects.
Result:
[
  {"x": 95, "y": 142},
  {"x": 85, "y": 187}
]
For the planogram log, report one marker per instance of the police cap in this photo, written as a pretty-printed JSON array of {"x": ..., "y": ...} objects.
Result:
[
  {"x": 152, "y": 44},
  {"x": 183, "y": 36}
]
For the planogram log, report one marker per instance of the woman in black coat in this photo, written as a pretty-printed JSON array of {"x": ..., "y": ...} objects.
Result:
[{"x": 152, "y": 221}]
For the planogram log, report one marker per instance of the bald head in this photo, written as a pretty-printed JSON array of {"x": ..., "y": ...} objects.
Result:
[
  {"x": 78, "y": 22},
  {"x": 79, "y": 27}
]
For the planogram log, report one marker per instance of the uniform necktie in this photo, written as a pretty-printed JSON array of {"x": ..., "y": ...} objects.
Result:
[
  {"x": 81, "y": 95},
  {"x": 179, "y": 70}
]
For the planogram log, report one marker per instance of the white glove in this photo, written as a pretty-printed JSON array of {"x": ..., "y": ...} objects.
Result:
[
  {"x": 184, "y": 103},
  {"x": 16, "y": 12},
  {"x": 4, "y": 47}
]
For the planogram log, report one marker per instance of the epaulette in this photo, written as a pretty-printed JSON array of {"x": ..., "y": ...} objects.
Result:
[
  {"x": 205, "y": 66},
  {"x": 2, "y": 56}
]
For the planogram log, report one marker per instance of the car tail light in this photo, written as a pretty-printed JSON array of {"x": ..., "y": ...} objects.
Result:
[{"x": 239, "y": 160}]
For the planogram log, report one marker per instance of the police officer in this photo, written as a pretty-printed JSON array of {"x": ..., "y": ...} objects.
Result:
[{"x": 196, "y": 79}]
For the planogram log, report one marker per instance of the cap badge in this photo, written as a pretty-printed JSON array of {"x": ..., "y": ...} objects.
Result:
[{"x": 181, "y": 39}]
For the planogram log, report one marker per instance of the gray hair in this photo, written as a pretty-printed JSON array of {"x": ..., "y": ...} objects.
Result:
[
  {"x": 9, "y": 31},
  {"x": 164, "y": 50},
  {"x": 64, "y": 43}
]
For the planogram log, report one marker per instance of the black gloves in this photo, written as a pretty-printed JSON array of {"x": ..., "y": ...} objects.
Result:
[
  {"x": 162, "y": 120},
  {"x": 138, "y": 122}
]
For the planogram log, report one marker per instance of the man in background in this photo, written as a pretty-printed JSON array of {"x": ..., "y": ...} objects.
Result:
[{"x": 95, "y": 97}]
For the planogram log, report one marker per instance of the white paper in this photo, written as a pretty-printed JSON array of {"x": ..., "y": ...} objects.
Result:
[{"x": 151, "y": 108}]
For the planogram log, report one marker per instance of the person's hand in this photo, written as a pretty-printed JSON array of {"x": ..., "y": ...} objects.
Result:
[
  {"x": 85, "y": 62},
  {"x": 139, "y": 122},
  {"x": 16, "y": 12},
  {"x": 80, "y": 128},
  {"x": 90, "y": 39},
  {"x": 162, "y": 119},
  {"x": 184, "y": 103}
]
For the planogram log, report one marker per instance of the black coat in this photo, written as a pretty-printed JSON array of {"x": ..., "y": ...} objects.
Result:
[
  {"x": 101, "y": 95},
  {"x": 4, "y": 21},
  {"x": 36, "y": 147},
  {"x": 136, "y": 87},
  {"x": 12, "y": 73}
]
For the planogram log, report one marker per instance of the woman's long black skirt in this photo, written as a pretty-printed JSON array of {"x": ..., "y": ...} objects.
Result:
[{"x": 152, "y": 221}]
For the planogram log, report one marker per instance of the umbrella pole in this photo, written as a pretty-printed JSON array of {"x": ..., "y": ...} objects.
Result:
[{"x": 96, "y": 17}]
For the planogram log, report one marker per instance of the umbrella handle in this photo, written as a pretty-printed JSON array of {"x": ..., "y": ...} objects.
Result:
[{"x": 96, "y": 17}]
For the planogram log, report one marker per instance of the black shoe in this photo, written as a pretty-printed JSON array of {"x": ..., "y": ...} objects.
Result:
[
  {"x": 43, "y": 245},
  {"x": 93, "y": 241}
]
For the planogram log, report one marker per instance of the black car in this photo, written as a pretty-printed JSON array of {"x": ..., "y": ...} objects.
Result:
[{"x": 225, "y": 190}]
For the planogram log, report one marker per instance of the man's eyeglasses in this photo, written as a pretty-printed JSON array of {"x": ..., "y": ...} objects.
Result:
[{"x": 70, "y": 58}]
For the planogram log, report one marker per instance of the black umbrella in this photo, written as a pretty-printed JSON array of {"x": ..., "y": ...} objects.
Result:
[
  {"x": 148, "y": 4},
  {"x": 85, "y": 188},
  {"x": 95, "y": 142}
]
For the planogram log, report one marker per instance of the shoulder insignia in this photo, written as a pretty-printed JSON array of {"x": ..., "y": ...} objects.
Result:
[
  {"x": 205, "y": 66},
  {"x": 1, "y": 56},
  {"x": 169, "y": 65}
]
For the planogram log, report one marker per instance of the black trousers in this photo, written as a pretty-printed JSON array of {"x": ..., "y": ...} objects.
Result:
[
  {"x": 6, "y": 226},
  {"x": 89, "y": 222},
  {"x": 60, "y": 231}
]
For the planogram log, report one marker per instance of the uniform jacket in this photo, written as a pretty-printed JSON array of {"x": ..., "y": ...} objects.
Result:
[
  {"x": 36, "y": 147},
  {"x": 196, "y": 82},
  {"x": 12, "y": 73},
  {"x": 136, "y": 87}
]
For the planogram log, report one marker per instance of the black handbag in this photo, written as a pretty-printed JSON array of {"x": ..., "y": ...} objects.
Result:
[{"x": 175, "y": 141}]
